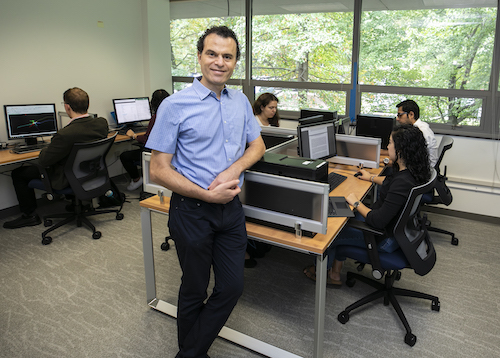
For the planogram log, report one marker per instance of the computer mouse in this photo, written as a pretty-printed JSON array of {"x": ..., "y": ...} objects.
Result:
[{"x": 357, "y": 174}]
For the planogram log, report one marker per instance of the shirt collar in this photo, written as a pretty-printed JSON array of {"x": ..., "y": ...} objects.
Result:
[
  {"x": 82, "y": 116},
  {"x": 204, "y": 92}
]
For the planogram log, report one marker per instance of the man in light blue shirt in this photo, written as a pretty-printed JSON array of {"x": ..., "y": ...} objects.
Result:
[{"x": 203, "y": 140}]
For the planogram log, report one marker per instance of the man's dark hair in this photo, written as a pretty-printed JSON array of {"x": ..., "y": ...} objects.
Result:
[
  {"x": 410, "y": 106},
  {"x": 222, "y": 31},
  {"x": 77, "y": 99}
]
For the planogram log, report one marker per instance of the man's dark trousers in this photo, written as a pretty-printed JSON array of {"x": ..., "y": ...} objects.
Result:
[{"x": 206, "y": 235}]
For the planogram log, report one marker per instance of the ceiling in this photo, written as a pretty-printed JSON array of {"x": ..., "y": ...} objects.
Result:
[{"x": 216, "y": 8}]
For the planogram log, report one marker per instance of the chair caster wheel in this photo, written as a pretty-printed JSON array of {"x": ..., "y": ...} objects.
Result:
[
  {"x": 119, "y": 216},
  {"x": 96, "y": 235},
  {"x": 436, "y": 306},
  {"x": 343, "y": 317},
  {"x": 454, "y": 241},
  {"x": 410, "y": 339},
  {"x": 46, "y": 240},
  {"x": 350, "y": 282},
  {"x": 165, "y": 246},
  {"x": 47, "y": 223}
]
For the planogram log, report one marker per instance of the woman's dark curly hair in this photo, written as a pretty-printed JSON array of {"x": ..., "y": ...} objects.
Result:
[
  {"x": 263, "y": 100},
  {"x": 410, "y": 146}
]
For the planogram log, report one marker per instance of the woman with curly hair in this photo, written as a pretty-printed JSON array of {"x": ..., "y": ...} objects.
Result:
[
  {"x": 408, "y": 153},
  {"x": 265, "y": 109}
]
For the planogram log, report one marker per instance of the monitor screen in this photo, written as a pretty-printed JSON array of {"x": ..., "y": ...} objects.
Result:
[
  {"x": 317, "y": 140},
  {"x": 131, "y": 110},
  {"x": 327, "y": 115},
  {"x": 374, "y": 126},
  {"x": 29, "y": 121}
]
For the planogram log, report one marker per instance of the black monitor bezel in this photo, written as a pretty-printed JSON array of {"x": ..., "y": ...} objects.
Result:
[
  {"x": 381, "y": 122},
  {"x": 28, "y": 136},
  {"x": 317, "y": 123},
  {"x": 310, "y": 112},
  {"x": 131, "y": 122}
]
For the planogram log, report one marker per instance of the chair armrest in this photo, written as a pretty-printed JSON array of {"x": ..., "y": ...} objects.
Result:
[
  {"x": 361, "y": 225},
  {"x": 369, "y": 234}
]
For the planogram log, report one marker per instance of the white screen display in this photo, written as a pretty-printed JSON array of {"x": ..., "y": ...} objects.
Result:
[{"x": 131, "y": 110}]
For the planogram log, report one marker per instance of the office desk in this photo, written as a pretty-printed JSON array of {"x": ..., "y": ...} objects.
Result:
[
  {"x": 8, "y": 157},
  {"x": 316, "y": 246}
]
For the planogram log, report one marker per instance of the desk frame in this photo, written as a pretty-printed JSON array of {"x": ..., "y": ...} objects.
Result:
[
  {"x": 284, "y": 240},
  {"x": 228, "y": 333}
]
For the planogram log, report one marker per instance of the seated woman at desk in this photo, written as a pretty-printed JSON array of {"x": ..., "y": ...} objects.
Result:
[
  {"x": 265, "y": 109},
  {"x": 130, "y": 158},
  {"x": 408, "y": 152}
]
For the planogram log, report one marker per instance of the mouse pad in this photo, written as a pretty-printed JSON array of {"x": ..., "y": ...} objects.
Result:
[{"x": 338, "y": 207}]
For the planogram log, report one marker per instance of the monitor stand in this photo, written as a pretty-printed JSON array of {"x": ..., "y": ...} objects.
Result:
[{"x": 31, "y": 141}]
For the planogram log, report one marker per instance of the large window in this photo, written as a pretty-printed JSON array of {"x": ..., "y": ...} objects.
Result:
[
  {"x": 430, "y": 49},
  {"x": 358, "y": 56}
]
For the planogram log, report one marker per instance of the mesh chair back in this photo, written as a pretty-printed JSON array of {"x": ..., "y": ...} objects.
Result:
[
  {"x": 411, "y": 233},
  {"x": 86, "y": 168}
]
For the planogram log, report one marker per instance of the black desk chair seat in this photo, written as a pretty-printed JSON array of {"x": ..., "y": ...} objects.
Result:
[
  {"x": 88, "y": 178},
  {"x": 416, "y": 252}
]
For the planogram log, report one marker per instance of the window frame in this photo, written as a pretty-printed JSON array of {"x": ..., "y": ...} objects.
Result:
[{"x": 489, "y": 122}]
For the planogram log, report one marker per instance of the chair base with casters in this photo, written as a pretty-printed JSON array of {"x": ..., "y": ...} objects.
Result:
[
  {"x": 165, "y": 246},
  {"x": 454, "y": 240},
  {"x": 385, "y": 290},
  {"x": 80, "y": 216}
]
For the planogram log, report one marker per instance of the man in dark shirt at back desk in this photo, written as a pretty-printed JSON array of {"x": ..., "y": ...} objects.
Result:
[{"x": 82, "y": 128}]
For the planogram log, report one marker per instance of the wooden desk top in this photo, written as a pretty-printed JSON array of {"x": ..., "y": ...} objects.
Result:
[
  {"x": 9, "y": 157},
  {"x": 317, "y": 244}
]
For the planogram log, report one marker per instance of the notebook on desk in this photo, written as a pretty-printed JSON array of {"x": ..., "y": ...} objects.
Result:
[{"x": 338, "y": 207}]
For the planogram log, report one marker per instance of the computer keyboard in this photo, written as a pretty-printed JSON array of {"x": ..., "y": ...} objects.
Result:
[
  {"x": 334, "y": 180},
  {"x": 29, "y": 148}
]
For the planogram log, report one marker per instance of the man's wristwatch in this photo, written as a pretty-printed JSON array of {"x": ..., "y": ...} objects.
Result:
[{"x": 356, "y": 204}]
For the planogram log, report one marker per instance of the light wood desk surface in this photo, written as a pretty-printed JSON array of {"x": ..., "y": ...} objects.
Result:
[
  {"x": 317, "y": 244},
  {"x": 9, "y": 157}
]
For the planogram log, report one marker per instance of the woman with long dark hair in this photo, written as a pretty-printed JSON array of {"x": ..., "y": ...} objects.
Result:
[
  {"x": 408, "y": 153},
  {"x": 265, "y": 109}
]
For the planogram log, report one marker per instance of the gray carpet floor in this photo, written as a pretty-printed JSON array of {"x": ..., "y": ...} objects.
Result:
[{"x": 80, "y": 297}]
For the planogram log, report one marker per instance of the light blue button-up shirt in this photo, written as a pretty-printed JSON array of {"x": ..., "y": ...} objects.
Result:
[{"x": 205, "y": 135}]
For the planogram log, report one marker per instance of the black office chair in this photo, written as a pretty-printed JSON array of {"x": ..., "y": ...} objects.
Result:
[
  {"x": 416, "y": 251},
  {"x": 441, "y": 194},
  {"x": 88, "y": 178}
]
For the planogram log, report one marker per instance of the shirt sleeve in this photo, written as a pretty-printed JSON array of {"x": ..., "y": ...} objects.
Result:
[{"x": 164, "y": 133}]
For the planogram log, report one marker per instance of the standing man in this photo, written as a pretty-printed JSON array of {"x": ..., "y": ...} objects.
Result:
[
  {"x": 82, "y": 128},
  {"x": 198, "y": 144},
  {"x": 409, "y": 113}
]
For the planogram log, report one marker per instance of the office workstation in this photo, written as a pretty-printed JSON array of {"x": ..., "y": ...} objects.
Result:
[{"x": 278, "y": 304}]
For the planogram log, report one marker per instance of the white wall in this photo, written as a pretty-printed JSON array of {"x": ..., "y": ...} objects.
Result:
[
  {"x": 109, "y": 48},
  {"x": 474, "y": 175}
]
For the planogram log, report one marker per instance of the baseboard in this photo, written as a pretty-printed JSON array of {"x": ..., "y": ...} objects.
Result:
[{"x": 461, "y": 214}]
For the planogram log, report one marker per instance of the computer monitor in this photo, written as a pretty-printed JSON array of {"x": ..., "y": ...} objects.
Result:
[
  {"x": 327, "y": 115},
  {"x": 375, "y": 126},
  {"x": 29, "y": 121},
  {"x": 316, "y": 140},
  {"x": 130, "y": 111}
]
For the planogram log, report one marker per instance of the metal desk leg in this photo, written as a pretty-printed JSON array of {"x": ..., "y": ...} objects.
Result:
[
  {"x": 147, "y": 246},
  {"x": 319, "y": 311},
  {"x": 165, "y": 307}
]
